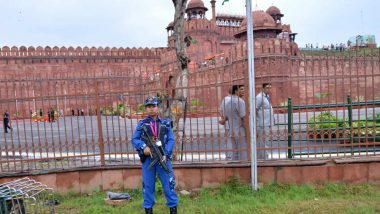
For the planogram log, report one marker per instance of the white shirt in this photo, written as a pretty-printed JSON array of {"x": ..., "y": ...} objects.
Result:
[{"x": 264, "y": 110}]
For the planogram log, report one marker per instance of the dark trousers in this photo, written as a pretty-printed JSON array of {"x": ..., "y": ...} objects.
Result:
[{"x": 6, "y": 126}]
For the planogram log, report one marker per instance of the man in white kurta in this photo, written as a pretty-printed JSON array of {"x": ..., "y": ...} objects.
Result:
[
  {"x": 222, "y": 107},
  {"x": 264, "y": 121},
  {"x": 234, "y": 112}
]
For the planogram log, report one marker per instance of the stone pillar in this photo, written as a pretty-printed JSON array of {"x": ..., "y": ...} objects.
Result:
[{"x": 213, "y": 10}]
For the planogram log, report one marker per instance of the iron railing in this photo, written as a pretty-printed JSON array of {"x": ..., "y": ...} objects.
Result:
[{"x": 95, "y": 116}]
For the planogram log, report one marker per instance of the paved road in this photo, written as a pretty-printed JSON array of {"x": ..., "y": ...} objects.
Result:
[{"x": 79, "y": 135}]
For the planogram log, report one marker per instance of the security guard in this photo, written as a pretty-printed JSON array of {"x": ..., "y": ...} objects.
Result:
[{"x": 157, "y": 130}]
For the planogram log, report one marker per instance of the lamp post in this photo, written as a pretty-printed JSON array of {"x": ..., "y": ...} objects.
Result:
[{"x": 252, "y": 93}]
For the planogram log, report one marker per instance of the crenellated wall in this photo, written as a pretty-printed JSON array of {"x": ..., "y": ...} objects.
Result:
[
  {"x": 40, "y": 73},
  {"x": 307, "y": 80},
  {"x": 59, "y": 63},
  {"x": 78, "y": 51}
]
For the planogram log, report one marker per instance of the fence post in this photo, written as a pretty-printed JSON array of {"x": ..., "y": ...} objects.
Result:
[
  {"x": 290, "y": 122},
  {"x": 183, "y": 128},
  {"x": 349, "y": 107},
  {"x": 100, "y": 128}
]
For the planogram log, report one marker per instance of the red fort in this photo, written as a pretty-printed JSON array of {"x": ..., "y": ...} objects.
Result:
[{"x": 219, "y": 48}]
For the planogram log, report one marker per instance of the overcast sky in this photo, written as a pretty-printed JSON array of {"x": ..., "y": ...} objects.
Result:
[{"x": 142, "y": 23}]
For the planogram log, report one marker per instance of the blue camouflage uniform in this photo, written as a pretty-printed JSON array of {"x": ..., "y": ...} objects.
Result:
[{"x": 166, "y": 136}]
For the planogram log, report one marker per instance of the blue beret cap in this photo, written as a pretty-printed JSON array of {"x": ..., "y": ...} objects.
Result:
[{"x": 151, "y": 100}]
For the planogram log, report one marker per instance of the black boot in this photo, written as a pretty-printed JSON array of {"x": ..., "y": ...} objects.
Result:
[
  {"x": 173, "y": 210},
  {"x": 148, "y": 210}
]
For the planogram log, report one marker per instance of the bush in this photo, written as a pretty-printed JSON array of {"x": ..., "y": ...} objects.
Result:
[
  {"x": 366, "y": 129},
  {"x": 326, "y": 120},
  {"x": 361, "y": 129},
  {"x": 141, "y": 108},
  {"x": 195, "y": 104}
]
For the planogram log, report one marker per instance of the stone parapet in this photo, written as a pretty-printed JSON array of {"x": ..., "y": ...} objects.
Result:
[{"x": 24, "y": 52}]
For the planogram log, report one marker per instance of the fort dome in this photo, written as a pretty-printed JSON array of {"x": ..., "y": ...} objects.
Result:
[
  {"x": 196, "y": 4},
  {"x": 273, "y": 10},
  {"x": 170, "y": 26},
  {"x": 262, "y": 21}
]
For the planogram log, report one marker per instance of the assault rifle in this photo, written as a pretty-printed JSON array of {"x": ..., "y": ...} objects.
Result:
[{"x": 157, "y": 152}]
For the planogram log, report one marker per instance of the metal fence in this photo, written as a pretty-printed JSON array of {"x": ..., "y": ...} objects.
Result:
[
  {"x": 333, "y": 110},
  {"x": 26, "y": 196}
]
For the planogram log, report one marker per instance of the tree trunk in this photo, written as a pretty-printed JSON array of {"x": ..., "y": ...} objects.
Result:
[{"x": 181, "y": 42}]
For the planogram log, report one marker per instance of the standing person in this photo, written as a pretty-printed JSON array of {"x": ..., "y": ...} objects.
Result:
[
  {"x": 72, "y": 112},
  {"x": 159, "y": 130},
  {"x": 6, "y": 122},
  {"x": 234, "y": 114},
  {"x": 264, "y": 119},
  {"x": 52, "y": 115},
  {"x": 222, "y": 107},
  {"x": 49, "y": 114}
]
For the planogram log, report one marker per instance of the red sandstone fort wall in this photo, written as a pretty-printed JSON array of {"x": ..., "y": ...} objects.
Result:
[
  {"x": 335, "y": 78},
  {"x": 142, "y": 71},
  {"x": 308, "y": 80},
  {"x": 79, "y": 51},
  {"x": 24, "y": 72}
]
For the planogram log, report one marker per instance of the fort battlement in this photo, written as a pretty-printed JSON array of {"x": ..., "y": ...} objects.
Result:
[{"x": 47, "y": 51}]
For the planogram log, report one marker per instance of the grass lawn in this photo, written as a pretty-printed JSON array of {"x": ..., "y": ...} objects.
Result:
[{"x": 238, "y": 198}]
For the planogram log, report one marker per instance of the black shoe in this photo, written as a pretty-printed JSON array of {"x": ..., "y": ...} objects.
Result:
[
  {"x": 148, "y": 210},
  {"x": 173, "y": 210}
]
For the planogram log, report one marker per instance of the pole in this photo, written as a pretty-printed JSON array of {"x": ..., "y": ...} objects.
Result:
[
  {"x": 183, "y": 128},
  {"x": 290, "y": 122},
  {"x": 349, "y": 106},
  {"x": 100, "y": 127},
  {"x": 252, "y": 93}
]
